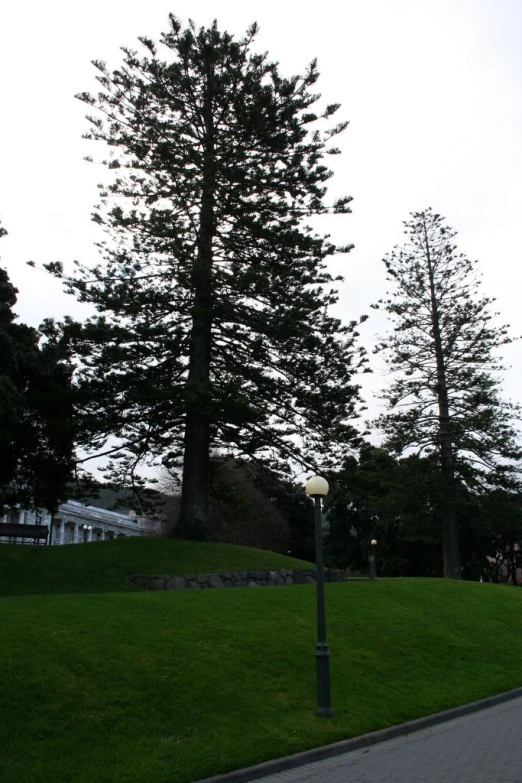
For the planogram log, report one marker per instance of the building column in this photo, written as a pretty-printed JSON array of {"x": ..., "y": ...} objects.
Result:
[
  {"x": 21, "y": 521},
  {"x": 102, "y": 537},
  {"x": 76, "y": 533},
  {"x": 61, "y": 537},
  {"x": 89, "y": 533}
]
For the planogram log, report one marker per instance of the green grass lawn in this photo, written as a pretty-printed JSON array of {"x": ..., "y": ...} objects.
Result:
[
  {"x": 124, "y": 687},
  {"x": 101, "y": 567}
]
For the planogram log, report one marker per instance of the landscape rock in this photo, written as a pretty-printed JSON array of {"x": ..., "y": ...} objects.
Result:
[
  {"x": 176, "y": 583},
  {"x": 303, "y": 579},
  {"x": 214, "y": 580},
  {"x": 157, "y": 583},
  {"x": 283, "y": 576}
]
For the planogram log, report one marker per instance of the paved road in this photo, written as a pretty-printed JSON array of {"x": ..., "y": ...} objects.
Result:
[{"x": 484, "y": 747}]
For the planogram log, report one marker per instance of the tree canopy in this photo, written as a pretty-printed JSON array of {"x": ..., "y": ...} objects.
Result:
[
  {"x": 36, "y": 416},
  {"x": 213, "y": 296},
  {"x": 395, "y": 501},
  {"x": 444, "y": 397}
]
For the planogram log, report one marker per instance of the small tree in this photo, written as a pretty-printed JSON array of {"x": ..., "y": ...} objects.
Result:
[
  {"x": 444, "y": 397},
  {"x": 503, "y": 511},
  {"x": 36, "y": 415},
  {"x": 214, "y": 329}
]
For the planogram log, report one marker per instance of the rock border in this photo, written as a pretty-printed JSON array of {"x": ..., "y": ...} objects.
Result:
[{"x": 266, "y": 578}]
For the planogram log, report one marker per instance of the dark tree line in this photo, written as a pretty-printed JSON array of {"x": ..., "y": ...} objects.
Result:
[
  {"x": 398, "y": 502},
  {"x": 37, "y": 420}
]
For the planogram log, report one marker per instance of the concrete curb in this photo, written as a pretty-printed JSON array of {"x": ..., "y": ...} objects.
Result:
[{"x": 345, "y": 746}]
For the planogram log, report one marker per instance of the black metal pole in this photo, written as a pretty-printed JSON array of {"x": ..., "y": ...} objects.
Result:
[
  {"x": 373, "y": 569},
  {"x": 322, "y": 652}
]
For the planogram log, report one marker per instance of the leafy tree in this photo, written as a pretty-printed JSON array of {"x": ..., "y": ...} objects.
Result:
[
  {"x": 444, "y": 398},
  {"x": 214, "y": 329},
  {"x": 249, "y": 505},
  {"x": 394, "y": 501},
  {"x": 501, "y": 516},
  {"x": 36, "y": 420},
  {"x": 292, "y": 503}
]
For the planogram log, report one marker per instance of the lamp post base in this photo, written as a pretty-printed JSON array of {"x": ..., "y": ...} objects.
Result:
[
  {"x": 324, "y": 712},
  {"x": 322, "y": 657}
]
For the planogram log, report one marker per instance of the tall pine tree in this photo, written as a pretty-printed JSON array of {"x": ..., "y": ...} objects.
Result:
[
  {"x": 213, "y": 297},
  {"x": 444, "y": 396}
]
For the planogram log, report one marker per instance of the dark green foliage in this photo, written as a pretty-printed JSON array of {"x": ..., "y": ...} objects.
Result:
[
  {"x": 36, "y": 419},
  {"x": 499, "y": 520},
  {"x": 399, "y": 502},
  {"x": 293, "y": 503},
  {"x": 251, "y": 505},
  {"x": 444, "y": 399},
  {"x": 213, "y": 329},
  {"x": 393, "y": 501}
]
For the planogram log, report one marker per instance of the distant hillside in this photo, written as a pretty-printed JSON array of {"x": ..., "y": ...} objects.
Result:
[{"x": 110, "y": 498}]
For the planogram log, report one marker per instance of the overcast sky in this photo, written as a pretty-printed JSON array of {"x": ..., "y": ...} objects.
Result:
[{"x": 432, "y": 90}]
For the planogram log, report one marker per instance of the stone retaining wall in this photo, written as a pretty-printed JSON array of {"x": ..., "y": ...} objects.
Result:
[{"x": 284, "y": 576}]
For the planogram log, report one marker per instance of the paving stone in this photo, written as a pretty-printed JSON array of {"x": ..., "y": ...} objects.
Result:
[{"x": 484, "y": 747}]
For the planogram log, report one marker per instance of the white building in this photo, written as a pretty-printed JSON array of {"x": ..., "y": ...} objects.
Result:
[{"x": 73, "y": 523}]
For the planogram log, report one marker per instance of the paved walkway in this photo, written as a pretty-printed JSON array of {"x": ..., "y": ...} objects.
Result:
[{"x": 484, "y": 747}]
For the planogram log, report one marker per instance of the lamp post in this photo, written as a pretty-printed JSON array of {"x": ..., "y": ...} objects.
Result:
[
  {"x": 317, "y": 488},
  {"x": 371, "y": 558}
]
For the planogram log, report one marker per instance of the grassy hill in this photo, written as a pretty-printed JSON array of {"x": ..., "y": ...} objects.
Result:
[
  {"x": 102, "y": 567},
  {"x": 128, "y": 686}
]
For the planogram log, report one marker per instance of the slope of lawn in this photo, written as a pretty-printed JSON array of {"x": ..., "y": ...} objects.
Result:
[
  {"x": 102, "y": 565},
  {"x": 179, "y": 685}
]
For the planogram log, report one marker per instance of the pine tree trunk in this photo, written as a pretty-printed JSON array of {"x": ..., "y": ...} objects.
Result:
[
  {"x": 450, "y": 536},
  {"x": 450, "y": 522},
  {"x": 193, "y": 517}
]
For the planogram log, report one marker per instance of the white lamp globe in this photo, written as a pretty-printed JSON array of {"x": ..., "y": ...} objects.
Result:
[{"x": 317, "y": 486}]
